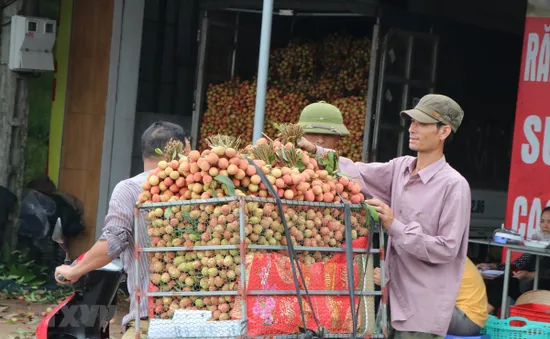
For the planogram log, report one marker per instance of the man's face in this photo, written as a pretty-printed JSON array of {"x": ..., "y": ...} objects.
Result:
[
  {"x": 545, "y": 222},
  {"x": 426, "y": 137},
  {"x": 323, "y": 140}
]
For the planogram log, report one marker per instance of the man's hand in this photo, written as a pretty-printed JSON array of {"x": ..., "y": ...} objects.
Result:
[
  {"x": 70, "y": 273},
  {"x": 306, "y": 145},
  {"x": 377, "y": 276},
  {"x": 385, "y": 213},
  {"x": 524, "y": 275}
]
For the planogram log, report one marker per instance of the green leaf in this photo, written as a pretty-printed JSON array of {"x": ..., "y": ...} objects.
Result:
[
  {"x": 330, "y": 163},
  {"x": 333, "y": 161},
  {"x": 301, "y": 166},
  {"x": 271, "y": 158},
  {"x": 180, "y": 156},
  {"x": 174, "y": 155},
  {"x": 283, "y": 154},
  {"x": 158, "y": 151},
  {"x": 223, "y": 179},
  {"x": 28, "y": 277},
  {"x": 167, "y": 213},
  {"x": 187, "y": 216},
  {"x": 277, "y": 126},
  {"x": 372, "y": 212},
  {"x": 6, "y": 255},
  {"x": 17, "y": 271}
]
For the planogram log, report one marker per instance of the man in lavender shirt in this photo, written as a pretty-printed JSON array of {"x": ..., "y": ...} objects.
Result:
[
  {"x": 428, "y": 221},
  {"x": 117, "y": 239}
]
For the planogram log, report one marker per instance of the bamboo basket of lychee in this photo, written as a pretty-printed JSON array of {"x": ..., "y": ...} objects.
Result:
[{"x": 219, "y": 239}]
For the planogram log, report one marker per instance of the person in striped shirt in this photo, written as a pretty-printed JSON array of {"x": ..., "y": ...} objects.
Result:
[{"x": 117, "y": 239}]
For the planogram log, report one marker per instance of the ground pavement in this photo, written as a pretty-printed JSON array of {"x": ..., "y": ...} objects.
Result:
[{"x": 18, "y": 319}]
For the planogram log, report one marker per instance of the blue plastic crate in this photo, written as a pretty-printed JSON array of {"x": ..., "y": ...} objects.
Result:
[
  {"x": 483, "y": 336},
  {"x": 502, "y": 329}
]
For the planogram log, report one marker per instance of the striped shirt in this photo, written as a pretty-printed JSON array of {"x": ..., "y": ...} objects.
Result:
[{"x": 119, "y": 234}]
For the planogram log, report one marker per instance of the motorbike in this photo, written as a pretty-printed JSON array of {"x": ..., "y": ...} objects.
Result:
[{"x": 86, "y": 313}]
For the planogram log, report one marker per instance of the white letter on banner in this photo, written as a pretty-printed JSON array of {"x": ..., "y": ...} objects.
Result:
[
  {"x": 544, "y": 59},
  {"x": 520, "y": 209},
  {"x": 546, "y": 142},
  {"x": 531, "y": 57},
  {"x": 534, "y": 217},
  {"x": 530, "y": 152}
]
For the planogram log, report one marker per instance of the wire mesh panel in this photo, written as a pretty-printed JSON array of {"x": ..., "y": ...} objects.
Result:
[{"x": 247, "y": 266}]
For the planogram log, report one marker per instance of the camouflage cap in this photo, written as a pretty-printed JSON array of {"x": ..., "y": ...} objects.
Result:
[
  {"x": 322, "y": 118},
  {"x": 434, "y": 108}
]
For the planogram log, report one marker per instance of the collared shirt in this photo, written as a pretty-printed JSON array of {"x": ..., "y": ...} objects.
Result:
[
  {"x": 428, "y": 239},
  {"x": 118, "y": 231}
]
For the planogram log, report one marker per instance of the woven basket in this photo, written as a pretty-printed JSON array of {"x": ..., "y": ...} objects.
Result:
[{"x": 534, "y": 297}]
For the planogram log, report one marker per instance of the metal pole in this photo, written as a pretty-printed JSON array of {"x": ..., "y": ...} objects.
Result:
[
  {"x": 506, "y": 281},
  {"x": 263, "y": 65},
  {"x": 367, "y": 129},
  {"x": 537, "y": 272},
  {"x": 199, "y": 86},
  {"x": 136, "y": 275}
]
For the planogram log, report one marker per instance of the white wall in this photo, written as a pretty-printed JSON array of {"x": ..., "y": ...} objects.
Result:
[{"x": 121, "y": 100}]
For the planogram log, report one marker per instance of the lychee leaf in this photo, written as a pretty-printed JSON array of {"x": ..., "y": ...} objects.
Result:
[
  {"x": 301, "y": 166},
  {"x": 188, "y": 217},
  {"x": 372, "y": 212},
  {"x": 167, "y": 213},
  {"x": 223, "y": 179},
  {"x": 158, "y": 151}
]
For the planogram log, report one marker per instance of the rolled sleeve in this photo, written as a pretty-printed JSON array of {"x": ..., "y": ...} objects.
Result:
[{"x": 119, "y": 223}]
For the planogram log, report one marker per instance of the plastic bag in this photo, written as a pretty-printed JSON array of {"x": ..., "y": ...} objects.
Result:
[{"x": 36, "y": 211}]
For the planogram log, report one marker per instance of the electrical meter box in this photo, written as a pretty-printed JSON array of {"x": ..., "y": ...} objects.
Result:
[{"x": 31, "y": 45}]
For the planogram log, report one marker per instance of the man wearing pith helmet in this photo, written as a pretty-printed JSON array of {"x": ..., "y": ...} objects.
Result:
[
  {"x": 428, "y": 221},
  {"x": 323, "y": 124}
]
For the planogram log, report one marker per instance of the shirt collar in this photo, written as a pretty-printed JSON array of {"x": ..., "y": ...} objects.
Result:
[{"x": 427, "y": 173}]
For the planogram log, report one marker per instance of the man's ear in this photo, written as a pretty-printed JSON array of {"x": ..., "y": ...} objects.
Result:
[{"x": 444, "y": 132}]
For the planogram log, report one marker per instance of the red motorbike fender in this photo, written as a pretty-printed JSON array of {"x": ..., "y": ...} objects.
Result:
[{"x": 42, "y": 328}]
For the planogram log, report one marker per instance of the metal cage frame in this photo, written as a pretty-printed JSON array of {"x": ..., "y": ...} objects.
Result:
[{"x": 380, "y": 320}]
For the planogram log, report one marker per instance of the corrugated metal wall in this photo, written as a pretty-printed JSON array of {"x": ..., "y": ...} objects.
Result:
[{"x": 167, "y": 67}]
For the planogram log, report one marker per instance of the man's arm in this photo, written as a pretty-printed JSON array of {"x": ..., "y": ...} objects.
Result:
[
  {"x": 453, "y": 222},
  {"x": 117, "y": 233}
]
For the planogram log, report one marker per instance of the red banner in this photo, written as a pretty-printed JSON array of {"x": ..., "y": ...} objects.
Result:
[{"x": 529, "y": 187}]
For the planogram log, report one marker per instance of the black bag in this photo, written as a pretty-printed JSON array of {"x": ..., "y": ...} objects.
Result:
[{"x": 70, "y": 210}]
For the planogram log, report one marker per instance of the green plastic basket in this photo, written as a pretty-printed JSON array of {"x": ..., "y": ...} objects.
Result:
[{"x": 502, "y": 329}]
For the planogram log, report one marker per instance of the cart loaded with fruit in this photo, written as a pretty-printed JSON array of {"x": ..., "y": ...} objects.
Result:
[{"x": 264, "y": 240}]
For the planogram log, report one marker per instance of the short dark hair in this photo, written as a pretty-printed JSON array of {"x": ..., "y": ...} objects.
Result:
[
  {"x": 546, "y": 209},
  {"x": 451, "y": 135},
  {"x": 157, "y": 136}
]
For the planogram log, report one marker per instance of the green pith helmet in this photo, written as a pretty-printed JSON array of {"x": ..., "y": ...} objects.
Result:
[{"x": 322, "y": 118}]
